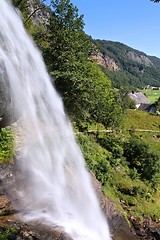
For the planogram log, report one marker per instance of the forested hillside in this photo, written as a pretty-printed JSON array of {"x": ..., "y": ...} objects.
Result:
[{"x": 135, "y": 68}]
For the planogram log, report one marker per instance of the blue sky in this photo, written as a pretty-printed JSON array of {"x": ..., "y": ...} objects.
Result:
[{"x": 135, "y": 23}]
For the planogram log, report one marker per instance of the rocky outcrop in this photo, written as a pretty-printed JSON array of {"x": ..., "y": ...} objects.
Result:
[
  {"x": 119, "y": 226},
  {"x": 146, "y": 228},
  {"x": 31, "y": 231},
  {"x": 140, "y": 58},
  {"x": 38, "y": 12},
  {"x": 126, "y": 229},
  {"x": 18, "y": 230},
  {"x": 105, "y": 61}
]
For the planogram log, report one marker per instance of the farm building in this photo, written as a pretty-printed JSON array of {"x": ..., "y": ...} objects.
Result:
[{"x": 142, "y": 102}]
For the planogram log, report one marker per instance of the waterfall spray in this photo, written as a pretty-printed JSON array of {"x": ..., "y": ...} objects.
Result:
[{"x": 58, "y": 187}]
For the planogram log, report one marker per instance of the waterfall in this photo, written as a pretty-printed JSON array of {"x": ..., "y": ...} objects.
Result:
[{"x": 58, "y": 189}]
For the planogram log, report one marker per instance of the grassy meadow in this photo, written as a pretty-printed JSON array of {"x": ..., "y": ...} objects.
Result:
[
  {"x": 136, "y": 119},
  {"x": 145, "y": 125},
  {"x": 152, "y": 95}
]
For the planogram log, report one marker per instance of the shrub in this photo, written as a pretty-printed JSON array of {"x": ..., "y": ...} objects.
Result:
[
  {"x": 102, "y": 170},
  {"x": 6, "y": 145},
  {"x": 114, "y": 145},
  {"x": 97, "y": 159},
  {"x": 8, "y": 233},
  {"x": 140, "y": 157}
]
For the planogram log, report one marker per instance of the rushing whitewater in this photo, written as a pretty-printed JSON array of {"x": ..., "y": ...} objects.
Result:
[{"x": 58, "y": 190}]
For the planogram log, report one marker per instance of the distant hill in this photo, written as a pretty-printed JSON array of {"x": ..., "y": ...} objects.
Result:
[{"x": 127, "y": 67}]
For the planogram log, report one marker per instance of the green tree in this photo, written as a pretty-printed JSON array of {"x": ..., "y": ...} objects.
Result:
[
  {"x": 68, "y": 42},
  {"x": 84, "y": 88},
  {"x": 127, "y": 102},
  {"x": 97, "y": 96}
]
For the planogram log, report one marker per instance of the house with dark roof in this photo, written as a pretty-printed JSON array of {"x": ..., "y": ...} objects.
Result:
[{"x": 141, "y": 101}]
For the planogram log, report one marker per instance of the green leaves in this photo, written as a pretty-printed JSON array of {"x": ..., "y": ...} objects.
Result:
[
  {"x": 67, "y": 14},
  {"x": 140, "y": 157},
  {"x": 85, "y": 90},
  {"x": 6, "y": 144}
]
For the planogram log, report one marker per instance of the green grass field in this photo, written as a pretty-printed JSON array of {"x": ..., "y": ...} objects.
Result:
[
  {"x": 148, "y": 126},
  {"x": 136, "y": 119},
  {"x": 152, "y": 95}
]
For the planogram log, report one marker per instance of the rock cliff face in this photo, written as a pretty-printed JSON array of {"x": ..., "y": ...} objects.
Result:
[
  {"x": 119, "y": 226},
  {"x": 38, "y": 12},
  {"x": 110, "y": 63},
  {"x": 139, "y": 58},
  {"x": 137, "y": 69},
  {"x": 105, "y": 61}
]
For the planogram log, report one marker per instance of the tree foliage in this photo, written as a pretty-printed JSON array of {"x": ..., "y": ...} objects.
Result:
[
  {"x": 68, "y": 42},
  {"x": 17, "y": 3},
  {"x": 84, "y": 88},
  {"x": 141, "y": 158},
  {"x": 127, "y": 102}
]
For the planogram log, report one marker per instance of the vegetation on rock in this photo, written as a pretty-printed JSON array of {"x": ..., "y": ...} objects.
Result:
[{"x": 6, "y": 145}]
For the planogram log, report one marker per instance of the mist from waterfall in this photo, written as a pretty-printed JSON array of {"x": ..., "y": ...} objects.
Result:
[{"x": 58, "y": 189}]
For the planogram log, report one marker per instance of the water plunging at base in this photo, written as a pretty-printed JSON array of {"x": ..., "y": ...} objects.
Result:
[{"x": 57, "y": 186}]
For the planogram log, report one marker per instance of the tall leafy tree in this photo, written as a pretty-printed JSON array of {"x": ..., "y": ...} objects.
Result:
[
  {"x": 69, "y": 47},
  {"x": 85, "y": 90},
  {"x": 68, "y": 42}
]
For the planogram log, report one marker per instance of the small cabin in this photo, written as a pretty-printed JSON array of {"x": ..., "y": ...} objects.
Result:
[{"x": 141, "y": 101}]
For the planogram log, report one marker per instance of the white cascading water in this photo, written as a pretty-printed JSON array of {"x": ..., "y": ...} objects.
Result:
[{"x": 58, "y": 187}]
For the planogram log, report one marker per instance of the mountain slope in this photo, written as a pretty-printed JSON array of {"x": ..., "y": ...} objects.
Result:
[{"x": 134, "y": 69}]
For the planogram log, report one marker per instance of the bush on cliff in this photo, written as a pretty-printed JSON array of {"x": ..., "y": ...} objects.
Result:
[{"x": 6, "y": 145}]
